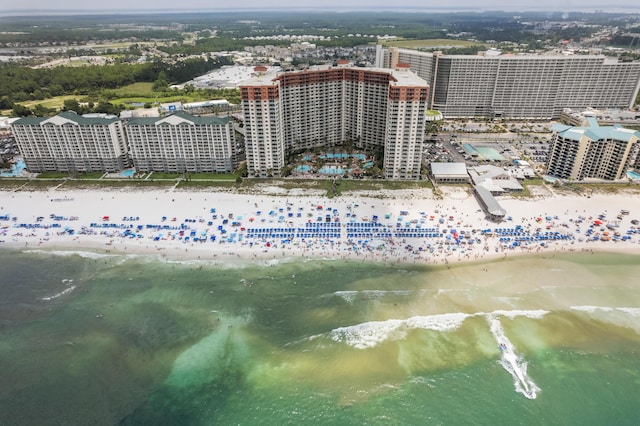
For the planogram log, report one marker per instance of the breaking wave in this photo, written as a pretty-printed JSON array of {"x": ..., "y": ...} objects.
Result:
[{"x": 371, "y": 334}]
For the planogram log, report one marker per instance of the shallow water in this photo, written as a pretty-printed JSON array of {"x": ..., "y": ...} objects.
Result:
[{"x": 131, "y": 340}]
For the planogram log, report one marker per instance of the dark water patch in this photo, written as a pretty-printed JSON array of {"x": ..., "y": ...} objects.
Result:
[{"x": 30, "y": 282}]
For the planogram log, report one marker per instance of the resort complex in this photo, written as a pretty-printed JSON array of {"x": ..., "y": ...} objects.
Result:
[
  {"x": 177, "y": 143},
  {"x": 335, "y": 105},
  {"x": 372, "y": 110},
  {"x": 342, "y": 120},
  {"x": 493, "y": 85}
]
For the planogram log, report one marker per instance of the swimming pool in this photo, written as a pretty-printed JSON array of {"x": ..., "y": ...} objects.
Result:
[
  {"x": 303, "y": 168},
  {"x": 331, "y": 170},
  {"x": 343, "y": 156},
  {"x": 127, "y": 173},
  {"x": 332, "y": 156},
  {"x": 483, "y": 152},
  {"x": 16, "y": 169},
  {"x": 633, "y": 175}
]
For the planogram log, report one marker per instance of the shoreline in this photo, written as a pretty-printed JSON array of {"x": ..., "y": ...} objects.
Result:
[{"x": 404, "y": 227}]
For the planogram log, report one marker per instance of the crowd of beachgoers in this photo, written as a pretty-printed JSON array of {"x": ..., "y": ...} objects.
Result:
[{"x": 396, "y": 226}]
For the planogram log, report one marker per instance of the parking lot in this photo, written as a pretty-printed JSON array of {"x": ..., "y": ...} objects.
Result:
[{"x": 473, "y": 145}]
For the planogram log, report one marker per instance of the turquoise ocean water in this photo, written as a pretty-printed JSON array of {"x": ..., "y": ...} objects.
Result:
[{"x": 137, "y": 341}]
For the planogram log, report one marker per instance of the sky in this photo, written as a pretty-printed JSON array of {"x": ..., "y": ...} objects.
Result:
[{"x": 160, "y": 5}]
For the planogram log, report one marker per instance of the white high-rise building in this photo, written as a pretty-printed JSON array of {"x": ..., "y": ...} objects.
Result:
[
  {"x": 73, "y": 143},
  {"x": 519, "y": 86},
  {"x": 327, "y": 106},
  {"x": 181, "y": 143}
]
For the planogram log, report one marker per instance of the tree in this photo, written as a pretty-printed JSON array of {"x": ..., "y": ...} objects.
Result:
[
  {"x": 42, "y": 111},
  {"x": 21, "y": 111},
  {"x": 72, "y": 105},
  {"x": 160, "y": 84}
]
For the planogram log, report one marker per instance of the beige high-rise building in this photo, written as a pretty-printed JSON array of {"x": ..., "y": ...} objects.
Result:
[
  {"x": 607, "y": 152},
  {"x": 327, "y": 106}
]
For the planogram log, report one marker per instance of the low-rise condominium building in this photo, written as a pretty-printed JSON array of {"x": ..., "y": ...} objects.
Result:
[
  {"x": 69, "y": 142},
  {"x": 181, "y": 143}
]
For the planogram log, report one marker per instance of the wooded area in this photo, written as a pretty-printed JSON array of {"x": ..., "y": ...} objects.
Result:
[{"x": 18, "y": 84}]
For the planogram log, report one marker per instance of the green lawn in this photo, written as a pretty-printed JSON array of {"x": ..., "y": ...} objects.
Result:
[
  {"x": 213, "y": 176},
  {"x": 93, "y": 175},
  {"x": 113, "y": 183},
  {"x": 154, "y": 97},
  {"x": 53, "y": 175},
  {"x": 206, "y": 183},
  {"x": 55, "y": 102},
  {"x": 164, "y": 176},
  {"x": 135, "y": 89}
]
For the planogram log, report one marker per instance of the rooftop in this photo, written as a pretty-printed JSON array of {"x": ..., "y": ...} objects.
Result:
[
  {"x": 179, "y": 117},
  {"x": 449, "y": 169},
  {"x": 70, "y": 117},
  {"x": 401, "y": 77},
  {"x": 595, "y": 132}
]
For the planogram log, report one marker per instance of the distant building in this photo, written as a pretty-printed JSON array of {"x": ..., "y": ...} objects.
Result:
[
  {"x": 5, "y": 122},
  {"x": 604, "y": 117},
  {"x": 217, "y": 103},
  {"x": 518, "y": 86},
  {"x": 328, "y": 106},
  {"x": 182, "y": 143},
  {"x": 578, "y": 153},
  {"x": 171, "y": 107},
  {"x": 70, "y": 142},
  {"x": 449, "y": 172},
  {"x": 226, "y": 77},
  {"x": 139, "y": 113}
]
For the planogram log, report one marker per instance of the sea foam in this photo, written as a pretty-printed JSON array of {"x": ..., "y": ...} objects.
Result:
[
  {"x": 67, "y": 253},
  {"x": 62, "y": 293},
  {"x": 370, "y": 334},
  {"x": 351, "y": 295},
  {"x": 634, "y": 312}
]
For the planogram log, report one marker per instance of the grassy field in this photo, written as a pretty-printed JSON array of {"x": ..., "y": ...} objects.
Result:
[
  {"x": 55, "y": 102},
  {"x": 133, "y": 93},
  {"x": 135, "y": 89},
  {"x": 142, "y": 93},
  {"x": 431, "y": 43}
]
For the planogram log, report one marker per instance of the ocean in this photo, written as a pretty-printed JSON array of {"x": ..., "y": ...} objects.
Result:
[{"x": 103, "y": 340}]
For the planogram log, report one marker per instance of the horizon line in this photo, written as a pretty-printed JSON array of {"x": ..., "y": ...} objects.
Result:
[{"x": 120, "y": 11}]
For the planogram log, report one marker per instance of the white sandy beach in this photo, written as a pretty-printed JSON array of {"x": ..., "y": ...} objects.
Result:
[{"x": 396, "y": 226}]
